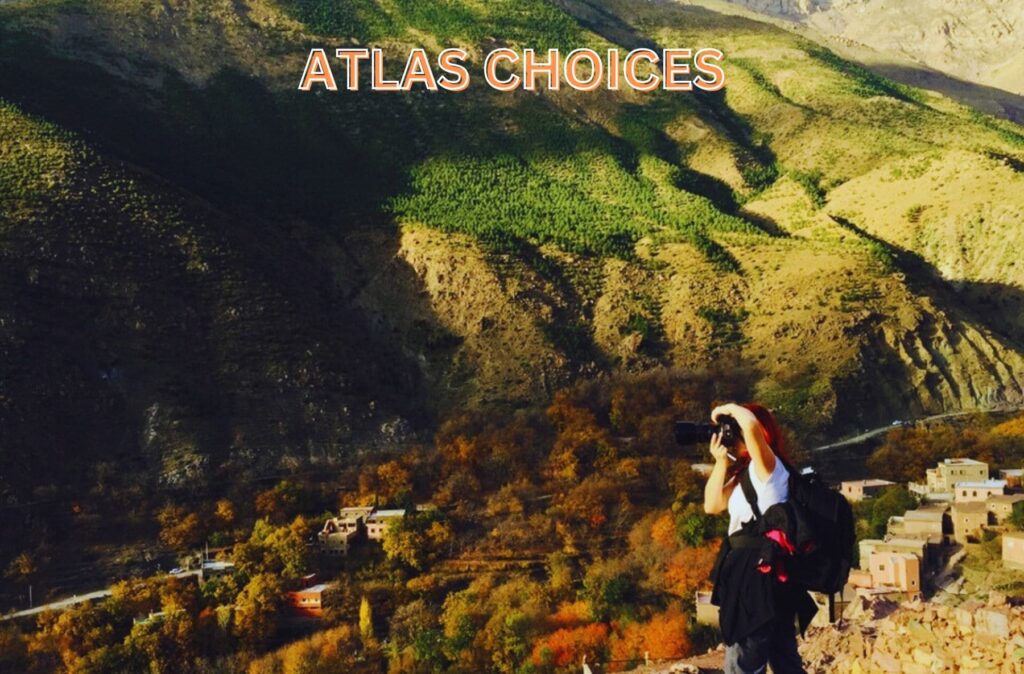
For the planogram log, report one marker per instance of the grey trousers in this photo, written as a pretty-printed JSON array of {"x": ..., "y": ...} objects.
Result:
[{"x": 773, "y": 644}]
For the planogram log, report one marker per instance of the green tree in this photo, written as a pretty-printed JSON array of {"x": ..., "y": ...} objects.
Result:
[
  {"x": 895, "y": 500},
  {"x": 280, "y": 550},
  {"x": 609, "y": 587},
  {"x": 166, "y": 643},
  {"x": 1016, "y": 518},
  {"x": 418, "y": 539},
  {"x": 695, "y": 527},
  {"x": 560, "y": 573},
  {"x": 366, "y": 621},
  {"x": 257, "y": 609}
]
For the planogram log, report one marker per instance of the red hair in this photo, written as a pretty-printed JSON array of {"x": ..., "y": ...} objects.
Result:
[{"x": 772, "y": 435}]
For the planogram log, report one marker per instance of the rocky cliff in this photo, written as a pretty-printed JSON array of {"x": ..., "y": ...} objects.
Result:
[{"x": 979, "y": 44}]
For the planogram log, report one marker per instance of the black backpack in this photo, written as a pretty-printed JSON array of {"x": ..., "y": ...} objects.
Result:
[{"x": 820, "y": 525}]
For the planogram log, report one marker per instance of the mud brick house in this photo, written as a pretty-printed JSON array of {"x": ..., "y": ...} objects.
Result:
[
  {"x": 341, "y": 533},
  {"x": 1013, "y": 550},
  {"x": 969, "y": 519},
  {"x": 940, "y": 481},
  {"x": 1001, "y": 505},
  {"x": 895, "y": 571},
  {"x": 858, "y": 490},
  {"x": 929, "y": 523},
  {"x": 968, "y": 492}
]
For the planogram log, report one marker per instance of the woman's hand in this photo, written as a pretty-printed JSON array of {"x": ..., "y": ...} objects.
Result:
[
  {"x": 742, "y": 415},
  {"x": 718, "y": 450}
]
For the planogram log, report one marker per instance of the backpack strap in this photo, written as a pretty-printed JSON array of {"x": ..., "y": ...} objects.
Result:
[{"x": 749, "y": 492}]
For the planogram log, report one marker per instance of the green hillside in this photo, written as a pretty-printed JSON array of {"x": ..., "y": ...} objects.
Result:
[{"x": 205, "y": 268}]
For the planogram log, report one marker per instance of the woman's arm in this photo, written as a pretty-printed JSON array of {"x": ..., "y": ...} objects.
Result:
[
  {"x": 716, "y": 493},
  {"x": 716, "y": 496},
  {"x": 761, "y": 455}
]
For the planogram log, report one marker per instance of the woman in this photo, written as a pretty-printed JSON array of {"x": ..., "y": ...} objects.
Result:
[{"x": 757, "y": 608}]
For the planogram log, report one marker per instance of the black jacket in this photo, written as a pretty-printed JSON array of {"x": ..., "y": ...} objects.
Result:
[{"x": 747, "y": 597}]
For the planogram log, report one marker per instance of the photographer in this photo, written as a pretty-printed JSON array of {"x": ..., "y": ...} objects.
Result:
[{"x": 757, "y": 607}]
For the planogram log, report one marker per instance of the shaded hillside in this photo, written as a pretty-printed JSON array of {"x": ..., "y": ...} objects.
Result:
[
  {"x": 270, "y": 263},
  {"x": 141, "y": 325}
]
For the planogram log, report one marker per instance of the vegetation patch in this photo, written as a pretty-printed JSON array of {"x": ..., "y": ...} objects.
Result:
[{"x": 726, "y": 328}]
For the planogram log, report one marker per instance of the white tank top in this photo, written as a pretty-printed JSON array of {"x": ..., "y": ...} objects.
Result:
[{"x": 775, "y": 490}]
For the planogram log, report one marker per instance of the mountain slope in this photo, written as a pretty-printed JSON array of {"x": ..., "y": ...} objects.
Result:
[
  {"x": 141, "y": 325},
  {"x": 969, "y": 50},
  {"x": 343, "y": 263}
]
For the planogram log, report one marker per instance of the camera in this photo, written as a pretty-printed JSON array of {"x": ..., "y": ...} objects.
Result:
[{"x": 689, "y": 433}]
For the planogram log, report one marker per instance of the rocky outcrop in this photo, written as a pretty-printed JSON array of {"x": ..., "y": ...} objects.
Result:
[
  {"x": 972, "y": 41},
  {"x": 919, "y": 637},
  {"x": 884, "y": 637}
]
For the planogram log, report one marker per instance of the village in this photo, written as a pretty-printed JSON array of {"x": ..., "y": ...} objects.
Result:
[{"x": 959, "y": 503}]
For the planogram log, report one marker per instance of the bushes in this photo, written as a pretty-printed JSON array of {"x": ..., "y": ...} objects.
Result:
[
  {"x": 532, "y": 23},
  {"x": 567, "y": 185},
  {"x": 810, "y": 181},
  {"x": 864, "y": 82},
  {"x": 726, "y": 327},
  {"x": 876, "y": 512}
]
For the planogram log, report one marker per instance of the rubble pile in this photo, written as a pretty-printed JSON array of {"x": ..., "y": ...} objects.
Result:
[{"x": 918, "y": 637}]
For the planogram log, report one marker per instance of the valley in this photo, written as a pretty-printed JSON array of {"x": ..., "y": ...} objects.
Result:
[{"x": 228, "y": 307}]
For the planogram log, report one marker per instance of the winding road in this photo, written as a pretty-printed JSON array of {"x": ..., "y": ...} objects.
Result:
[
  {"x": 866, "y": 435},
  {"x": 62, "y": 604}
]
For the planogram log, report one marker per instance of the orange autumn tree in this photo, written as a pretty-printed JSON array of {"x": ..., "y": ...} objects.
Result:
[
  {"x": 569, "y": 644},
  {"x": 1014, "y": 428},
  {"x": 570, "y": 614},
  {"x": 663, "y": 532},
  {"x": 689, "y": 570},
  {"x": 664, "y": 636},
  {"x": 581, "y": 442}
]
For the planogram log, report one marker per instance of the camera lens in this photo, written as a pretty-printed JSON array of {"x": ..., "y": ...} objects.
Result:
[{"x": 690, "y": 433}]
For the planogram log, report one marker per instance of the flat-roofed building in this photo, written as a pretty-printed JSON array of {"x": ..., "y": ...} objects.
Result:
[
  {"x": 341, "y": 532},
  {"x": 950, "y": 471},
  {"x": 928, "y": 523},
  {"x": 335, "y": 541},
  {"x": 897, "y": 570},
  {"x": 969, "y": 519},
  {"x": 309, "y": 602},
  {"x": 377, "y": 523},
  {"x": 921, "y": 547},
  {"x": 1001, "y": 505},
  {"x": 211, "y": 568},
  {"x": 1013, "y": 549},
  {"x": 969, "y": 492},
  {"x": 355, "y": 514},
  {"x": 858, "y": 490}
]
